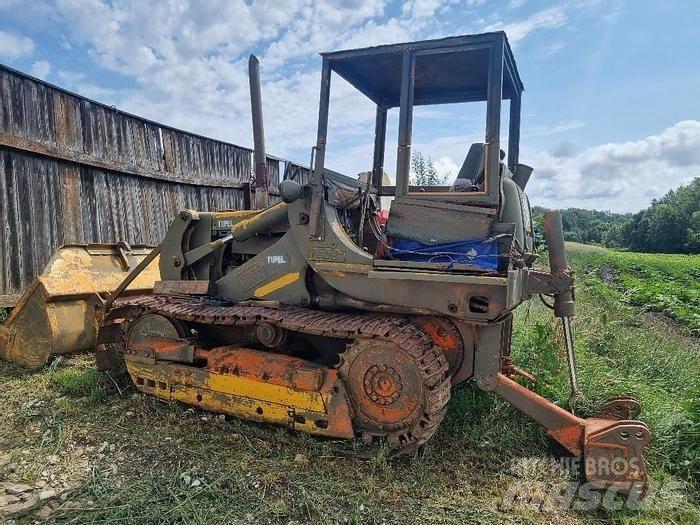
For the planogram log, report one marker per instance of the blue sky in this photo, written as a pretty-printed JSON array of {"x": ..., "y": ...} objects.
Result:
[{"x": 611, "y": 116}]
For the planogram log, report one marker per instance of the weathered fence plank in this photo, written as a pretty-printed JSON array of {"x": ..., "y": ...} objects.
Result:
[{"x": 76, "y": 171}]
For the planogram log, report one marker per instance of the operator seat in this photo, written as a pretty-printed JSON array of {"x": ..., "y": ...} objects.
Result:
[
  {"x": 471, "y": 174},
  {"x": 415, "y": 220}
]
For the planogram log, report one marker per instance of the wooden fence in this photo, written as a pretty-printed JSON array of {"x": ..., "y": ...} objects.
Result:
[{"x": 73, "y": 170}]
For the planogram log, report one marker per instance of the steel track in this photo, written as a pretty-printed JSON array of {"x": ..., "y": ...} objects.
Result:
[{"x": 352, "y": 327}]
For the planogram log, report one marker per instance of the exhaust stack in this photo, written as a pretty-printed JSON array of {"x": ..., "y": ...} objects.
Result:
[{"x": 261, "y": 182}]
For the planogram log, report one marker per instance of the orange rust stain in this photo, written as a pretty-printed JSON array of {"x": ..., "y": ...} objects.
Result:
[
  {"x": 201, "y": 354},
  {"x": 162, "y": 346},
  {"x": 276, "y": 369},
  {"x": 571, "y": 437},
  {"x": 359, "y": 268},
  {"x": 451, "y": 344},
  {"x": 441, "y": 337},
  {"x": 250, "y": 393}
]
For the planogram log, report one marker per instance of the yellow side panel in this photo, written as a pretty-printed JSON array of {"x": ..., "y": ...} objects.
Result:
[
  {"x": 302, "y": 399},
  {"x": 324, "y": 413},
  {"x": 229, "y": 384},
  {"x": 238, "y": 406}
]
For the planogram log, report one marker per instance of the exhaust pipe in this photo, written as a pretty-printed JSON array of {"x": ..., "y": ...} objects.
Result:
[{"x": 261, "y": 182}]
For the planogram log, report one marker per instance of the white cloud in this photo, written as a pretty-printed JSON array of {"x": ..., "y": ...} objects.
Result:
[
  {"x": 448, "y": 152},
  {"x": 15, "y": 46},
  {"x": 189, "y": 66},
  {"x": 187, "y": 62},
  {"x": 446, "y": 167},
  {"x": 320, "y": 26},
  {"x": 547, "y": 19},
  {"x": 41, "y": 69},
  {"x": 27, "y": 10},
  {"x": 553, "y": 129},
  {"x": 421, "y": 8},
  {"x": 622, "y": 176},
  {"x": 373, "y": 33},
  {"x": 514, "y": 4},
  {"x": 553, "y": 48},
  {"x": 78, "y": 82}
]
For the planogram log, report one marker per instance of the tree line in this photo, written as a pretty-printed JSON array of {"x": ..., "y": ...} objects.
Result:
[{"x": 670, "y": 225}]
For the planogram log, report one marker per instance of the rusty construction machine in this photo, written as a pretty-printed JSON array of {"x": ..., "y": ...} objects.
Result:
[{"x": 308, "y": 313}]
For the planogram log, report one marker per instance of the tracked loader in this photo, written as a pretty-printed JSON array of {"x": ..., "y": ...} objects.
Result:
[{"x": 310, "y": 314}]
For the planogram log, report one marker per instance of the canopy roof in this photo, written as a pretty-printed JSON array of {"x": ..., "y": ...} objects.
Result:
[{"x": 447, "y": 70}]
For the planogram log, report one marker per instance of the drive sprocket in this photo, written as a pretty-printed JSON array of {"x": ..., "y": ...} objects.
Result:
[{"x": 398, "y": 394}]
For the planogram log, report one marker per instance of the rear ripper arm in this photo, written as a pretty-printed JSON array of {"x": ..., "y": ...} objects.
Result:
[{"x": 610, "y": 444}]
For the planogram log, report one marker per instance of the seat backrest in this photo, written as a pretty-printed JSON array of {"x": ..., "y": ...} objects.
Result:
[{"x": 473, "y": 165}]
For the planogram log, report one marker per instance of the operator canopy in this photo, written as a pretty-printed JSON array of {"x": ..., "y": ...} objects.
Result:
[{"x": 447, "y": 70}]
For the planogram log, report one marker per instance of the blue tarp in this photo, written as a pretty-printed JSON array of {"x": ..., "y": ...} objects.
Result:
[{"x": 482, "y": 254}]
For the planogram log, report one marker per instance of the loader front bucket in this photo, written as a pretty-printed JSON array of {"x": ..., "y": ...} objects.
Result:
[{"x": 58, "y": 313}]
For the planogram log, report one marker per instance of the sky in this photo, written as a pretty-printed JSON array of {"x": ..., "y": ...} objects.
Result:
[{"x": 611, "y": 113}]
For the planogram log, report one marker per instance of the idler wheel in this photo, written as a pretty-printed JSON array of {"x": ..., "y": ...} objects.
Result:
[{"x": 149, "y": 327}]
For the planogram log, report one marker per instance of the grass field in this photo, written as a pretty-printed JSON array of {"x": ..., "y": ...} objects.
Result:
[
  {"x": 665, "y": 283},
  {"x": 89, "y": 458}
]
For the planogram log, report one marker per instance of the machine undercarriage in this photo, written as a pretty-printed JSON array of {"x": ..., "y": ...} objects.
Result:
[{"x": 343, "y": 375}]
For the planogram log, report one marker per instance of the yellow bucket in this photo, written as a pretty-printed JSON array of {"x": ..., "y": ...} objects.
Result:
[{"x": 59, "y": 312}]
